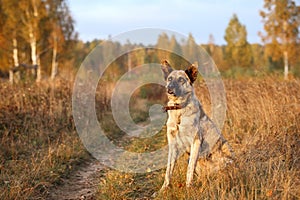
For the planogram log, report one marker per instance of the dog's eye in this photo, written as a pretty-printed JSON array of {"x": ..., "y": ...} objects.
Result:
[
  {"x": 170, "y": 79},
  {"x": 181, "y": 80}
]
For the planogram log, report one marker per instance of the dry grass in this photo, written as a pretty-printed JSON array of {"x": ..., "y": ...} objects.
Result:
[
  {"x": 263, "y": 126},
  {"x": 38, "y": 142}
]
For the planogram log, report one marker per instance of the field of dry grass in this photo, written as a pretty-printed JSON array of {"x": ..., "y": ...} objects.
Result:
[
  {"x": 38, "y": 141},
  {"x": 39, "y": 145},
  {"x": 262, "y": 125}
]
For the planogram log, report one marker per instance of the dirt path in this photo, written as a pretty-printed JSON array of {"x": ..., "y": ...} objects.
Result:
[{"x": 82, "y": 184}]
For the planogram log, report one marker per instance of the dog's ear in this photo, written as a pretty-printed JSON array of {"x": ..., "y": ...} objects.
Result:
[
  {"x": 166, "y": 68},
  {"x": 192, "y": 73}
]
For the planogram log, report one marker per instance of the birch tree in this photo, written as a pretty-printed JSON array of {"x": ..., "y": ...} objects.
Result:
[
  {"x": 32, "y": 13},
  {"x": 281, "y": 23},
  {"x": 62, "y": 30},
  {"x": 40, "y": 33},
  {"x": 10, "y": 33}
]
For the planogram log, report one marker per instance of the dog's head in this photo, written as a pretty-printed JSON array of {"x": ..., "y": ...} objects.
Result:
[{"x": 179, "y": 82}]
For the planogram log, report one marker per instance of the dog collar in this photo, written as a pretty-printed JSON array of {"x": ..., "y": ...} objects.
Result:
[{"x": 175, "y": 107}]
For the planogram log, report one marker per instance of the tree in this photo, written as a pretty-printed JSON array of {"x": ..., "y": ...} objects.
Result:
[
  {"x": 61, "y": 30},
  {"x": 281, "y": 24},
  {"x": 211, "y": 44},
  {"x": 176, "y": 54},
  {"x": 258, "y": 56},
  {"x": 32, "y": 12},
  {"x": 163, "y": 44},
  {"x": 175, "y": 46},
  {"x": 238, "y": 51},
  {"x": 10, "y": 33},
  {"x": 216, "y": 52},
  {"x": 39, "y": 31},
  {"x": 191, "y": 49}
]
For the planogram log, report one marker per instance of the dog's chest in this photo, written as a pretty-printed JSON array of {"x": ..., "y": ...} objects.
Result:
[{"x": 186, "y": 119}]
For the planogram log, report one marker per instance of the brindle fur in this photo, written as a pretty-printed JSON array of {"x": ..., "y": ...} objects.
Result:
[{"x": 190, "y": 129}]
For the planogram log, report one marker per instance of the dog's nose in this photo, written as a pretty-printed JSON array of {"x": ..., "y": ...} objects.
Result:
[{"x": 171, "y": 86}]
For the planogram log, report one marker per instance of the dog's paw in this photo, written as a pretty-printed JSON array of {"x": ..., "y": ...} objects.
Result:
[{"x": 162, "y": 190}]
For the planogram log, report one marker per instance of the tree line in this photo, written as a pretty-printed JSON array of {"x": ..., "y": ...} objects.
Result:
[
  {"x": 36, "y": 35},
  {"x": 37, "y": 38}
]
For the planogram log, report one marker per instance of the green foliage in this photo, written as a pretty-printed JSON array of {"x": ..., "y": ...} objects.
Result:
[{"x": 238, "y": 51}]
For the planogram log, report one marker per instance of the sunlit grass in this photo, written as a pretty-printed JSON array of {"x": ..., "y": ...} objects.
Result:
[
  {"x": 38, "y": 141},
  {"x": 39, "y": 144},
  {"x": 262, "y": 125}
]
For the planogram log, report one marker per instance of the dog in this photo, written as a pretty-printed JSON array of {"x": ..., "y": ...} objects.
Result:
[{"x": 189, "y": 129}]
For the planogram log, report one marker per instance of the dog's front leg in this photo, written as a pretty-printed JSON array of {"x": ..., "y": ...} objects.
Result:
[
  {"x": 195, "y": 147},
  {"x": 172, "y": 156}
]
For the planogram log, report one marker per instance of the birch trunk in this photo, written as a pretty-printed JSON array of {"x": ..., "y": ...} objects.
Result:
[
  {"x": 11, "y": 76},
  {"x": 34, "y": 58},
  {"x": 16, "y": 58},
  {"x": 15, "y": 52},
  {"x": 16, "y": 62},
  {"x": 286, "y": 64},
  {"x": 285, "y": 52},
  {"x": 54, "y": 55}
]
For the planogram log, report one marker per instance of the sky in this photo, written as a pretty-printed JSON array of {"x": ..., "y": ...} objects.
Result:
[{"x": 99, "y": 19}]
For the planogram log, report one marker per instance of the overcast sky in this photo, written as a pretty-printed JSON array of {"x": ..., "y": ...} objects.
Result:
[{"x": 99, "y": 18}]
